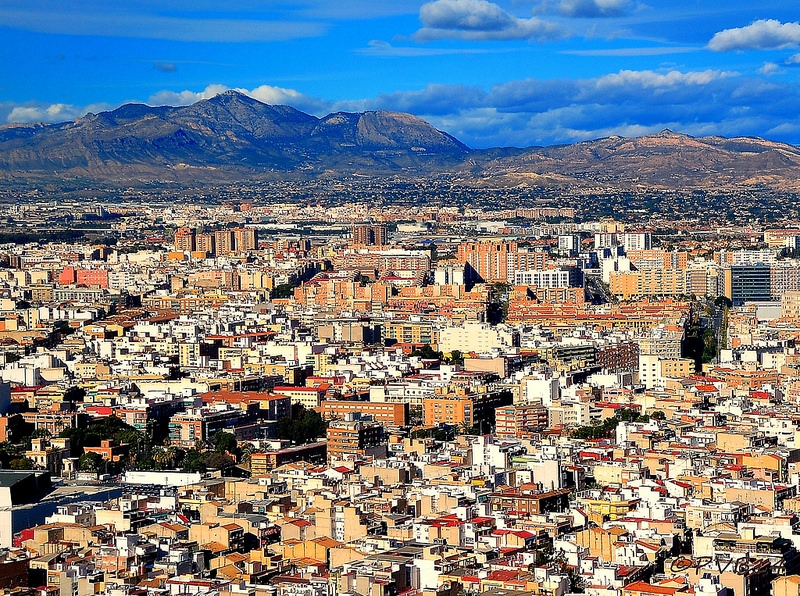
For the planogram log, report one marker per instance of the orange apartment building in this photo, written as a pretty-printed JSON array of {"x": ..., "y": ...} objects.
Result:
[
  {"x": 184, "y": 239},
  {"x": 224, "y": 242},
  {"x": 648, "y": 282},
  {"x": 747, "y": 379},
  {"x": 271, "y": 406},
  {"x": 527, "y": 500},
  {"x": 212, "y": 279},
  {"x": 639, "y": 316},
  {"x": 461, "y": 408},
  {"x": 204, "y": 243},
  {"x": 370, "y": 235},
  {"x": 353, "y": 437},
  {"x": 245, "y": 239},
  {"x": 83, "y": 277},
  {"x": 520, "y": 421},
  {"x": 109, "y": 450},
  {"x": 658, "y": 259},
  {"x": 389, "y": 414},
  {"x": 264, "y": 462},
  {"x": 790, "y": 305},
  {"x": 490, "y": 260},
  {"x": 342, "y": 294}
]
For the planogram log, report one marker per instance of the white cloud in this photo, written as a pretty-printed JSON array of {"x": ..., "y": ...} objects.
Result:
[
  {"x": 766, "y": 34},
  {"x": 185, "y": 98},
  {"x": 60, "y": 112},
  {"x": 769, "y": 68},
  {"x": 651, "y": 79},
  {"x": 50, "y": 113},
  {"x": 264, "y": 93},
  {"x": 793, "y": 59},
  {"x": 785, "y": 128},
  {"x": 275, "y": 95},
  {"x": 25, "y": 114},
  {"x": 479, "y": 20},
  {"x": 474, "y": 15}
]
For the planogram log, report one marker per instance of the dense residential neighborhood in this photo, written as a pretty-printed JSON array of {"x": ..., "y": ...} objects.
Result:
[{"x": 261, "y": 398}]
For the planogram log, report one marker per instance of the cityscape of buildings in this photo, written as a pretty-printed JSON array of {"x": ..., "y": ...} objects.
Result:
[{"x": 270, "y": 398}]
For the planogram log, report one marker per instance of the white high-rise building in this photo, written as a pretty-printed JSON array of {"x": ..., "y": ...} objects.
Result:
[{"x": 636, "y": 241}]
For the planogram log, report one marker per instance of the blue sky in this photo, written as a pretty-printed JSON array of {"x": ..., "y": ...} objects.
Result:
[{"x": 516, "y": 72}]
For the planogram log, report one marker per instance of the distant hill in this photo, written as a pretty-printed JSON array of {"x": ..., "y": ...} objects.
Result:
[
  {"x": 232, "y": 137},
  {"x": 666, "y": 160}
]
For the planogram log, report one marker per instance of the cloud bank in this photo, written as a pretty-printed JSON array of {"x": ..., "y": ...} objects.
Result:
[{"x": 534, "y": 111}]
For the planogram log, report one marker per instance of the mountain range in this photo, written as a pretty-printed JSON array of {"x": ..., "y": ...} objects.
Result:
[{"x": 232, "y": 137}]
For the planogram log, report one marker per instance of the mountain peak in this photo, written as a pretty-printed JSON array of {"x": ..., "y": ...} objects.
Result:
[
  {"x": 670, "y": 134},
  {"x": 228, "y": 131},
  {"x": 232, "y": 95}
]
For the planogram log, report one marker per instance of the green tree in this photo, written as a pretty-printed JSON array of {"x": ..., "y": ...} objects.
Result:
[
  {"x": 437, "y": 433},
  {"x": 283, "y": 291},
  {"x": 709, "y": 346},
  {"x": 723, "y": 302},
  {"x": 541, "y": 558},
  {"x": 224, "y": 442},
  {"x": 465, "y": 429},
  {"x": 90, "y": 462},
  {"x": 164, "y": 458},
  {"x": 421, "y": 433},
  {"x": 40, "y": 433},
  {"x": 497, "y": 310},
  {"x": 212, "y": 459},
  {"x": 8, "y": 451},
  {"x": 246, "y": 451},
  {"x": 108, "y": 427},
  {"x": 160, "y": 458},
  {"x": 193, "y": 462},
  {"x": 626, "y": 415},
  {"x": 176, "y": 456},
  {"x": 303, "y": 427},
  {"x": 456, "y": 357},
  {"x": 426, "y": 352},
  {"x": 64, "y": 328},
  {"x": 607, "y": 428},
  {"x": 22, "y": 463}
]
